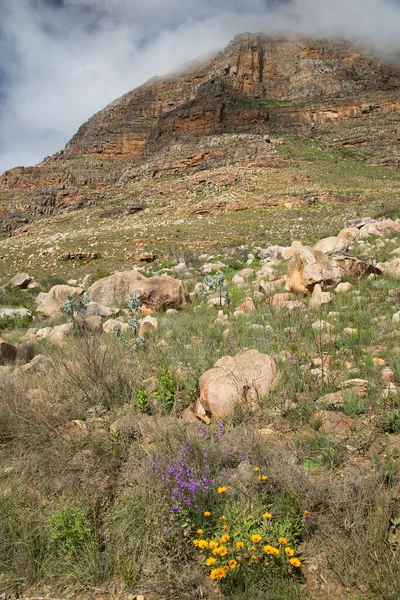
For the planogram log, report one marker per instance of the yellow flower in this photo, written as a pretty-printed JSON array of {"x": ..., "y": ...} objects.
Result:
[
  {"x": 225, "y": 527},
  {"x": 199, "y": 532},
  {"x": 202, "y": 544},
  {"x": 254, "y": 559},
  {"x": 218, "y": 573},
  {"x": 256, "y": 469},
  {"x": 223, "y": 518},
  {"x": 267, "y": 516},
  {"x": 239, "y": 545},
  {"x": 213, "y": 544},
  {"x": 307, "y": 514},
  {"x": 262, "y": 478},
  {"x": 210, "y": 561},
  {"x": 224, "y": 538},
  {"x": 295, "y": 562},
  {"x": 252, "y": 549},
  {"x": 275, "y": 551},
  {"x": 232, "y": 564},
  {"x": 196, "y": 543},
  {"x": 256, "y": 538},
  {"x": 207, "y": 513},
  {"x": 289, "y": 552},
  {"x": 267, "y": 549},
  {"x": 222, "y": 550},
  {"x": 282, "y": 540},
  {"x": 222, "y": 489}
]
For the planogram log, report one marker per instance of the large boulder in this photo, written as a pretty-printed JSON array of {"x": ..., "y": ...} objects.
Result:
[
  {"x": 236, "y": 380},
  {"x": 8, "y": 353},
  {"x": 53, "y": 302},
  {"x": 155, "y": 292},
  {"x": 309, "y": 267}
]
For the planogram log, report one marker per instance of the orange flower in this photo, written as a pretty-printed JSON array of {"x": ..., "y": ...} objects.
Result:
[
  {"x": 225, "y": 527},
  {"x": 262, "y": 478},
  {"x": 232, "y": 564},
  {"x": 256, "y": 469},
  {"x": 207, "y": 513},
  {"x": 289, "y": 552},
  {"x": 295, "y": 562},
  {"x": 239, "y": 545},
  {"x": 222, "y": 489},
  {"x": 256, "y": 538},
  {"x": 307, "y": 514},
  {"x": 282, "y": 540},
  {"x": 267, "y": 516}
]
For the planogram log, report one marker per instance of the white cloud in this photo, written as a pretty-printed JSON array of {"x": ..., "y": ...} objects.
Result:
[{"x": 61, "y": 61}]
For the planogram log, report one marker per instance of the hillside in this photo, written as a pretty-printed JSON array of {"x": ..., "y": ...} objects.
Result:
[
  {"x": 193, "y": 142},
  {"x": 199, "y": 338}
]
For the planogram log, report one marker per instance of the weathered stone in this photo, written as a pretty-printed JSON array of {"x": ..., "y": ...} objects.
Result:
[
  {"x": 15, "y": 312},
  {"x": 332, "y": 421},
  {"x": 94, "y": 309},
  {"x": 243, "y": 379},
  {"x": 280, "y": 300},
  {"x": 269, "y": 287},
  {"x": 309, "y": 267},
  {"x": 210, "y": 267},
  {"x": 382, "y": 228},
  {"x": 345, "y": 286},
  {"x": 322, "y": 326},
  {"x": 332, "y": 244},
  {"x": 21, "y": 280},
  {"x": 155, "y": 292},
  {"x": 8, "y": 352},
  {"x": 319, "y": 297},
  {"x": 40, "y": 362},
  {"x": 111, "y": 324},
  {"x": 53, "y": 302},
  {"x": 148, "y": 326}
]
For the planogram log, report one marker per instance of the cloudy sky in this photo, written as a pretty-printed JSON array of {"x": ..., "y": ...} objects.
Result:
[{"x": 63, "y": 60}]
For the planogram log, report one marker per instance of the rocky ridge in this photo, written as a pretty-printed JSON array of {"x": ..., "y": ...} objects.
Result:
[{"x": 176, "y": 125}]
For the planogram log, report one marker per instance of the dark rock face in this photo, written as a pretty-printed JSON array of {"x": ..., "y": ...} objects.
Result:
[{"x": 256, "y": 83}]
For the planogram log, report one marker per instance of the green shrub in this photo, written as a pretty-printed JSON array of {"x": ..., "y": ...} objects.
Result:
[
  {"x": 14, "y": 322},
  {"x": 391, "y": 421},
  {"x": 70, "y": 531},
  {"x": 166, "y": 390},
  {"x": 353, "y": 405}
]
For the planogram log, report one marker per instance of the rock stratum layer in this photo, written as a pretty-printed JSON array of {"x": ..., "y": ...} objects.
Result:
[{"x": 161, "y": 128}]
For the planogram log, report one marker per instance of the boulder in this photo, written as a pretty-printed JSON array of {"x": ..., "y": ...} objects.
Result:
[
  {"x": 319, "y": 297},
  {"x": 53, "y": 302},
  {"x": 111, "y": 324},
  {"x": 238, "y": 280},
  {"x": 149, "y": 325},
  {"x": 246, "y": 273},
  {"x": 391, "y": 267},
  {"x": 351, "y": 234},
  {"x": 280, "y": 300},
  {"x": 155, "y": 292},
  {"x": 15, "y": 312},
  {"x": 21, "y": 280},
  {"x": 94, "y": 309},
  {"x": 210, "y": 267},
  {"x": 383, "y": 228},
  {"x": 59, "y": 334},
  {"x": 355, "y": 266},
  {"x": 8, "y": 353},
  {"x": 332, "y": 244},
  {"x": 243, "y": 379},
  {"x": 345, "y": 286},
  {"x": 308, "y": 267},
  {"x": 269, "y": 287},
  {"x": 332, "y": 421}
]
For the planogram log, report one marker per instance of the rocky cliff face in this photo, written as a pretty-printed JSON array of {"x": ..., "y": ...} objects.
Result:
[{"x": 256, "y": 83}]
